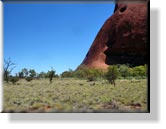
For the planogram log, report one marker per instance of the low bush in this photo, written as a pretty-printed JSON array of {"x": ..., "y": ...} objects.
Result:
[
  {"x": 14, "y": 79},
  {"x": 88, "y": 73},
  {"x": 123, "y": 71},
  {"x": 137, "y": 72},
  {"x": 67, "y": 74},
  {"x": 28, "y": 79}
]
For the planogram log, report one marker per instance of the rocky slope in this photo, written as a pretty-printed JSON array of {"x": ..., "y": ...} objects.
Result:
[{"x": 122, "y": 39}]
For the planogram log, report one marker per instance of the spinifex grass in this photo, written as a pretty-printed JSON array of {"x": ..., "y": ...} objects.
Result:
[{"x": 75, "y": 95}]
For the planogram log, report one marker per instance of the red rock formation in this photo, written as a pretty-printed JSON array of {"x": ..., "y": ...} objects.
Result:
[{"x": 122, "y": 39}]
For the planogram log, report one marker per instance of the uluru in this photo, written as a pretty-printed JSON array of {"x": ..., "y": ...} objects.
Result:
[{"x": 122, "y": 39}]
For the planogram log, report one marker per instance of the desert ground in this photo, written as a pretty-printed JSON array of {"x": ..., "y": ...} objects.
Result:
[{"x": 75, "y": 95}]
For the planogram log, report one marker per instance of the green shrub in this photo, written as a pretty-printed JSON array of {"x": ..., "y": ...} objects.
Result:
[
  {"x": 14, "y": 79},
  {"x": 29, "y": 79},
  {"x": 112, "y": 74},
  {"x": 130, "y": 72},
  {"x": 139, "y": 71},
  {"x": 124, "y": 71},
  {"x": 81, "y": 72},
  {"x": 67, "y": 74},
  {"x": 88, "y": 73}
]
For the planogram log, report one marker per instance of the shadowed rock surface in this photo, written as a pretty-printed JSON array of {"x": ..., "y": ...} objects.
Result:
[{"x": 122, "y": 39}]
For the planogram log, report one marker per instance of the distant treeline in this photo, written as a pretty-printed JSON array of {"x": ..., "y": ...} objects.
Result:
[
  {"x": 122, "y": 71},
  {"x": 119, "y": 71},
  {"x": 29, "y": 75},
  {"x": 32, "y": 73},
  {"x": 111, "y": 74}
]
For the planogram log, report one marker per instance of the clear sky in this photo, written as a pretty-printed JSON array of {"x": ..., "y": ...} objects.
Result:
[{"x": 41, "y": 36}]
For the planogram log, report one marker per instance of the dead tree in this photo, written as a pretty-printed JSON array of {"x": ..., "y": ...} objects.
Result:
[{"x": 8, "y": 68}]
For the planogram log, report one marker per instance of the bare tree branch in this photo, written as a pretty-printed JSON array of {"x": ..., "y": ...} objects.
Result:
[{"x": 8, "y": 68}]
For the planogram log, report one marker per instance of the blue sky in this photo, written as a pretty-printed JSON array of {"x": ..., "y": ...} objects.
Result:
[{"x": 41, "y": 36}]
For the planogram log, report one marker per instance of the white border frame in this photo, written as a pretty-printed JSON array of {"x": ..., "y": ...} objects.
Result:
[{"x": 153, "y": 116}]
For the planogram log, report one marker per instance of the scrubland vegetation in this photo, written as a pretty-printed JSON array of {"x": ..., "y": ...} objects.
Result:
[
  {"x": 75, "y": 95},
  {"x": 118, "y": 71},
  {"x": 121, "y": 88}
]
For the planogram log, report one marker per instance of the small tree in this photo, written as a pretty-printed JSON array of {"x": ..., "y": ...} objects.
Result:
[
  {"x": 8, "y": 68},
  {"x": 51, "y": 74},
  {"x": 112, "y": 74},
  {"x": 32, "y": 73},
  {"x": 25, "y": 72},
  {"x": 21, "y": 74}
]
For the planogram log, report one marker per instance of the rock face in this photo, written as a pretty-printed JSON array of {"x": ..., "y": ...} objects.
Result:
[{"x": 122, "y": 39}]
